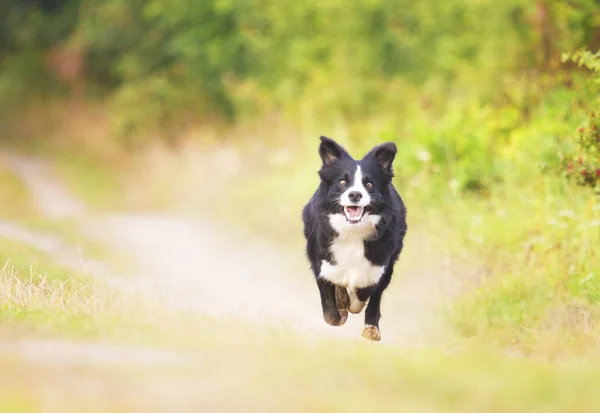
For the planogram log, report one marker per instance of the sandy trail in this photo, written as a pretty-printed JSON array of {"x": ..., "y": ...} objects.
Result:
[
  {"x": 206, "y": 268},
  {"x": 50, "y": 197}
]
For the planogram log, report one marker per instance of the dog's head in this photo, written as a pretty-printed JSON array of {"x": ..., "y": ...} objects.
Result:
[{"x": 358, "y": 190}]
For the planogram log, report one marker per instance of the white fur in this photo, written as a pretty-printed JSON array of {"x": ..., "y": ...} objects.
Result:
[
  {"x": 352, "y": 270},
  {"x": 357, "y": 185}
]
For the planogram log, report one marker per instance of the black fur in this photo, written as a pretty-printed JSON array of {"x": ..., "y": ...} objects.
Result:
[{"x": 381, "y": 249}]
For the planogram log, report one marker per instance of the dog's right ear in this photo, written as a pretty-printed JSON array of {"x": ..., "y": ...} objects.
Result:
[{"x": 330, "y": 151}]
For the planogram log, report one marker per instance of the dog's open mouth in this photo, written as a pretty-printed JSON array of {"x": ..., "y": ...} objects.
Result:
[{"x": 354, "y": 213}]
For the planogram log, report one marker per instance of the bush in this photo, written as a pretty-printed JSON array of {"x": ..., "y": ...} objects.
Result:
[{"x": 581, "y": 157}]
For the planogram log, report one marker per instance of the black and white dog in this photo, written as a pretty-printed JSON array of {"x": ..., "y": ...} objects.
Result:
[{"x": 354, "y": 227}]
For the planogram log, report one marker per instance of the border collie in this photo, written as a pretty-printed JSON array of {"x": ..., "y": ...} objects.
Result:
[{"x": 354, "y": 227}]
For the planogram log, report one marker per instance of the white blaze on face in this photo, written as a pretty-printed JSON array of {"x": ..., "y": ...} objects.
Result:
[
  {"x": 352, "y": 205},
  {"x": 357, "y": 186}
]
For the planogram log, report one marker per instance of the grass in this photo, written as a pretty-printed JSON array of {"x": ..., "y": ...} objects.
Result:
[
  {"x": 57, "y": 301},
  {"x": 541, "y": 291},
  {"x": 250, "y": 362},
  {"x": 266, "y": 369},
  {"x": 40, "y": 298},
  {"x": 533, "y": 239},
  {"x": 32, "y": 301},
  {"x": 536, "y": 295},
  {"x": 535, "y": 242}
]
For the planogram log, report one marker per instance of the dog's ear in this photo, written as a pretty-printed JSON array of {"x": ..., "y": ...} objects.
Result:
[
  {"x": 384, "y": 154},
  {"x": 330, "y": 151}
]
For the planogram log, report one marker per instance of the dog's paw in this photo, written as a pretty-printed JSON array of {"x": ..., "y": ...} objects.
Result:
[
  {"x": 335, "y": 318},
  {"x": 343, "y": 317},
  {"x": 356, "y": 305},
  {"x": 371, "y": 333},
  {"x": 342, "y": 300}
]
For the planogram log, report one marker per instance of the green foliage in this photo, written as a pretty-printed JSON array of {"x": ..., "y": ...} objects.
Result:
[
  {"x": 171, "y": 60},
  {"x": 36, "y": 25},
  {"x": 582, "y": 163},
  {"x": 581, "y": 158},
  {"x": 168, "y": 62}
]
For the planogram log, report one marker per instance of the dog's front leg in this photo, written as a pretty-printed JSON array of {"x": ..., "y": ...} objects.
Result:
[
  {"x": 359, "y": 297},
  {"x": 333, "y": 302},
  {"x": 373, "y": 311}
]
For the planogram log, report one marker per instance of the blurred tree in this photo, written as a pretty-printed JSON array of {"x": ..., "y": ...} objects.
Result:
[{"x": 165, "y": 61}]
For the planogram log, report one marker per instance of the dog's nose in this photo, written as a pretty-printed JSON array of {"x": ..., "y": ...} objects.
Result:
[{"x": 355, "y": 196}]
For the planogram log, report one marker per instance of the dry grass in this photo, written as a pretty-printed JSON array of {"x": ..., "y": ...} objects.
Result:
[
  {"x": 34, "y": 292},
  {"x": 239, "y": 367},
  {"x": 60, "y": 302},
  {"x": 40, "y": 304}
]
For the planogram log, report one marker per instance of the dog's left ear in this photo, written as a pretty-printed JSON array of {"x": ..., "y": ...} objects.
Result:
[{"x": 384, "y": 154}]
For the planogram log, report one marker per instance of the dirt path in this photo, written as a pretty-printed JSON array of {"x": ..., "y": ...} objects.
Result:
[
  {"x": 206, "y": 268},
  {"x": 49, "y": 195}
]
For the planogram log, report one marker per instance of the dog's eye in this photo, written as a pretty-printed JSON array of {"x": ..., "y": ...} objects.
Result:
[
  {"x": 342, "y": 182},
  {"x": 369, "y": 185}
]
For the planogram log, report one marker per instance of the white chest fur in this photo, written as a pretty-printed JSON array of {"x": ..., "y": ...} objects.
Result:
[{"x": 352, "y": 269}]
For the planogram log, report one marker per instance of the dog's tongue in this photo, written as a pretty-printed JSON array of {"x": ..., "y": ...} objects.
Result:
[{"x": 353, "y": 212}]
